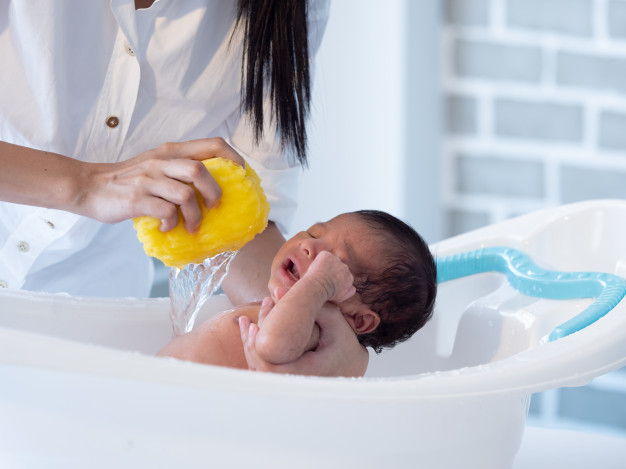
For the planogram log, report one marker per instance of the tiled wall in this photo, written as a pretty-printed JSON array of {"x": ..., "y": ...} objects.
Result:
[
  {"x": 535, "y": 96},
  {"x": 536, "y": 106}
]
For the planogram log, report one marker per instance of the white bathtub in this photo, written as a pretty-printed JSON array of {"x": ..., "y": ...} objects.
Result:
[{"x": 79, "y": 386}]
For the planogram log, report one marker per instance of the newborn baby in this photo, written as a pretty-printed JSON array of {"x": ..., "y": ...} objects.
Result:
[{"x": 362, "y": 279}]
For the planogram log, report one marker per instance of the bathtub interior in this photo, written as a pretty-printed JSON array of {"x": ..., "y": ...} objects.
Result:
[
  {"x": 478, "y": 319},
  {"x": 591, "y": 239},
  {"x": 481, "y": 319}
]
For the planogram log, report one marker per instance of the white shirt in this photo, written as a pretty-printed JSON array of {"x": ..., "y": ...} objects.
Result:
[{"x": 167, "y": 73}]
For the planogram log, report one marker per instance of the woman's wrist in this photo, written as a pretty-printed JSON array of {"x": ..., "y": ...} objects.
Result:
[{"x": 83, "y": 190}]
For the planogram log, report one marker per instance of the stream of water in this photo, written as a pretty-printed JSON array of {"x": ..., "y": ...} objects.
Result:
[{"x": 191, "y": 286}]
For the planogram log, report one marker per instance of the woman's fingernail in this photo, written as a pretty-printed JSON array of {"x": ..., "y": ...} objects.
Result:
[{"x": 266, "y": 301}]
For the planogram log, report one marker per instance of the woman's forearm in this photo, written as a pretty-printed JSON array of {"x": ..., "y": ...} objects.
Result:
[
  {"x": 249, "y": 272},
  {"x": 44, "y": 179},
  {"x": 160, "y": 182}
]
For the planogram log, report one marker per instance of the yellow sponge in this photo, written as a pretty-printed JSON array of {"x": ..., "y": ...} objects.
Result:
[{"x": 241, "y": 214}]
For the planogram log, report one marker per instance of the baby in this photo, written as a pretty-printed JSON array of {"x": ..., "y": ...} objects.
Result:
[{"x": 362, "y": 279}]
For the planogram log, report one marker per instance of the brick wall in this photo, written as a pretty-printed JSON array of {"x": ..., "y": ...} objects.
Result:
[{"x": 535, "y": 96}]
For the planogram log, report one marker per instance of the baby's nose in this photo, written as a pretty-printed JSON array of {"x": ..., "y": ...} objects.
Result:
[{"x": 309, "y": 248}]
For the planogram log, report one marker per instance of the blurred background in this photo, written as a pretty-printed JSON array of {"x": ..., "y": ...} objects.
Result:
[{"x": 455, "y": 114}]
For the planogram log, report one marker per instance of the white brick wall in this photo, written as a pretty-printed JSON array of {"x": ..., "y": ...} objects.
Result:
[
  {"x": 535, "y": 99},
  {"x": 536, "y": 106}
]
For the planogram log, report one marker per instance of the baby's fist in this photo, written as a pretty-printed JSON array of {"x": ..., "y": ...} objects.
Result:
[{"x": 334, "y": 275}]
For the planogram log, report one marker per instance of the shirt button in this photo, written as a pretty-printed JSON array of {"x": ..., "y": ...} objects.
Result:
[
  {"x": 23, "y": 246},
  {"x": 129, "y": 50},
  {"x": 50, "y": 224},
  {"x": 3, "y": 284},
  {"x": 113, "y": 121}
]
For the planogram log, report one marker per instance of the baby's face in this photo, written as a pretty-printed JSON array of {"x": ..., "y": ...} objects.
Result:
[{"x": 347, "y": 236}]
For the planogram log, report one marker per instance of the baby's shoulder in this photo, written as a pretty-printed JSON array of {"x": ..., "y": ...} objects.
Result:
[{"x": 248, "y": 309}]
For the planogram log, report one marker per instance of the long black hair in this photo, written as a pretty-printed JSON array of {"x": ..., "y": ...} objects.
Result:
[{"x": 276, "y": 59}]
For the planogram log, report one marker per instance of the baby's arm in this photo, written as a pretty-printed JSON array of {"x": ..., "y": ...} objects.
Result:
[
  {"x": 337, "y": 352},
  {"x": 286, "y": 333}
]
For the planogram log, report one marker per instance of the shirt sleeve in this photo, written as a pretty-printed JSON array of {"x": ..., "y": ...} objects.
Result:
[{"x": 276, "y": 166}]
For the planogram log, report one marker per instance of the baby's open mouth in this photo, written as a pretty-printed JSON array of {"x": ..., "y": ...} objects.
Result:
[{"x": 292, "y": 268}]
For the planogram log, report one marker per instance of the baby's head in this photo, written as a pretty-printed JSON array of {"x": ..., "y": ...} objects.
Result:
[
  {"x": 402, "y": 292},
  {"x": 395, "y": 273}
]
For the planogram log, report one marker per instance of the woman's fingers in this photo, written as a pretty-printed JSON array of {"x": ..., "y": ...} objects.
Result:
[
  {"x": 160, "y": 183},
  {"x": 185, "y": 164},
  {"x": 165, "y": 211},
  {"x": 176, "y": 188},
  {"x": 202, "y": 149},
  {"x": 194, "y": 172}
]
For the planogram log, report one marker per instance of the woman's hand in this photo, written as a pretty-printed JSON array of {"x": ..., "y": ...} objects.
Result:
[{"x": 156, "y": 183}]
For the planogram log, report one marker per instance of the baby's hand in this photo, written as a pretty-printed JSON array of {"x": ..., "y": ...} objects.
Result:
[
  {"x": 248, "y": 332},
  {"x": 333, "y": 275},
  {"x": 266, "y": 306}
]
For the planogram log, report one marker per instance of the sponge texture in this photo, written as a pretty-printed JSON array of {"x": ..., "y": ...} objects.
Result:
[{"x": 241, "y": 214}]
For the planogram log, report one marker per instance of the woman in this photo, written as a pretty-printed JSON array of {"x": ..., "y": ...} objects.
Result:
[{"x": 94, "y": 94}]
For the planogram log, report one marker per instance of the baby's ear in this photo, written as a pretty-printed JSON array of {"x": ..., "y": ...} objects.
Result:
[{"x": 366, "y": 321}]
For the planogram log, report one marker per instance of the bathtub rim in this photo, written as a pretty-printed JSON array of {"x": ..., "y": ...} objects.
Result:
[
  {"x": 528, "y": 372},
  {"x": 539, "y": 368}
]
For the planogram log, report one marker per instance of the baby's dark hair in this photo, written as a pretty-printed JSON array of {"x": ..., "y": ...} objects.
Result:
[{"x": 403, "y": 294}]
